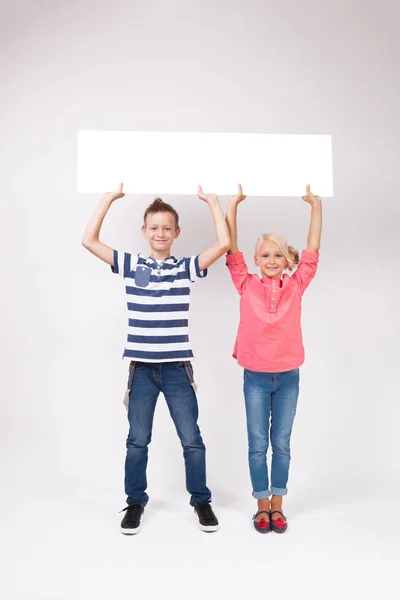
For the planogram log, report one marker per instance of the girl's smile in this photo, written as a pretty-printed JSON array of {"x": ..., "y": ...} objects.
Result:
[{"x": 270, "y": 259}]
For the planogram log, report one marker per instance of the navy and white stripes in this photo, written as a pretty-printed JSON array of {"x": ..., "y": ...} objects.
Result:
[{"x": 157, "y": 295}]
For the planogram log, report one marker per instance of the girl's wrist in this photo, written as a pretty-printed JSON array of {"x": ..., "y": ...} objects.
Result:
[
  {"x": 107, "y": 201},
  {"x": 316, "y": 202}
]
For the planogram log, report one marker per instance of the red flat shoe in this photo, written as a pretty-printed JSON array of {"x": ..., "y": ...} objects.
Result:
[
  {"x": 279, "y": 525},
  {"x": 262, "y": 526}
]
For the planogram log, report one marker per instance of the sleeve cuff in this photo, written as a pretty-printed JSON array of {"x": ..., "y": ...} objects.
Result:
[
  {"x": 307, "y": 256},
  {"x": 114, "y": 267},
  {"x": 199, "y": 273},
  {"x": 234, "y": 259}
]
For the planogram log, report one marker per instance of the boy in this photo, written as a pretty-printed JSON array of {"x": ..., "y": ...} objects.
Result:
[{"x": 157, "y": 293}]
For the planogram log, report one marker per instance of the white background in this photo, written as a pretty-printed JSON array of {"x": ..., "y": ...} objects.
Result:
[{"x": 258, "y": 66}]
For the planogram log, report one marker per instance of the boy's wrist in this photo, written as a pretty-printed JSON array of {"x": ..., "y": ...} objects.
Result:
[{"x": 213, "y": 202}]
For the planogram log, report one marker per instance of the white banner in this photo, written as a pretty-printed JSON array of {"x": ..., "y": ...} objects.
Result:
[{"x": 157, "y": 163}]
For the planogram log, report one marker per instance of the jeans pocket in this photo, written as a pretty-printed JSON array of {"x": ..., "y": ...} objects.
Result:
[
  {"x": 132, "y": 369},
  {"x": 186, "y": 365}
]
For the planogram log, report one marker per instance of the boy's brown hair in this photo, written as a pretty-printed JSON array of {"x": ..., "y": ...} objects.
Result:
[{"x": 158, "y": 205}]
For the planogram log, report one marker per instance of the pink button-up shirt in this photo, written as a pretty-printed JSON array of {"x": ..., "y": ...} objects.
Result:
[{"x": 269, "y": 335}]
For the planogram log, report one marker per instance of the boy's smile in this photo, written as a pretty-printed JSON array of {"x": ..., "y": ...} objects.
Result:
[{"x": 160, "y": 231}]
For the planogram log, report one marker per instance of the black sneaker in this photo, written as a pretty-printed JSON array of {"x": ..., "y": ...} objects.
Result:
[
  {"x": 130, "y": 524},
  {"x": 205, "y": 515}
]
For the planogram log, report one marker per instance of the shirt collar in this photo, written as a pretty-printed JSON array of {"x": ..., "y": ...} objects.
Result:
[
  {"x": 152, "y": 261},
  {"x": 270, "y": 279}
]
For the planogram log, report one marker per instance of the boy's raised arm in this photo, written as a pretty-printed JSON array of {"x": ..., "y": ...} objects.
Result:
[
  {"x": 90, "y": 239},
  {"x": 222, "y": 245},
  {"x": 231, "y": 218}
]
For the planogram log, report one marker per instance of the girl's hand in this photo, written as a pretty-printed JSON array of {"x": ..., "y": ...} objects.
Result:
[
  {"x": 309, "y": 197},
  {"x": 209, "y": 198},
  {"x": 238, "y": 197},
  {"x": 111, "y": 196}
]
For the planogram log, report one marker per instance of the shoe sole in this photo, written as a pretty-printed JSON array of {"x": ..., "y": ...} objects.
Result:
[
  {"x": 130, "y": 531},
  {"x": 206, "y": 528}
]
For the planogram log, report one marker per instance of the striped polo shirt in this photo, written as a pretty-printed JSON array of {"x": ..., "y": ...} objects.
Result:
[{"x": 157, "y": 296}]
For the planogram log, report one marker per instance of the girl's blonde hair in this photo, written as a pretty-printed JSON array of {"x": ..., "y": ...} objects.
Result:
[{"x": 290, "y": 253}]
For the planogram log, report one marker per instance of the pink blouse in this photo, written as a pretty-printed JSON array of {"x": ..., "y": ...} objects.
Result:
[{"x": 269, "y": 336}]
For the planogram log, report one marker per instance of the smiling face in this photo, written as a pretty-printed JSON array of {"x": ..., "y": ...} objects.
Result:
[
  {"x": 160, "y": 231},
  {"x": 270, "y": 259}
]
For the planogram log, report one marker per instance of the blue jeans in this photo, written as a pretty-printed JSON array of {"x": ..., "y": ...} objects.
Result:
[
  {"x": 270, "y": 395},
  {"x": 173, "y": 379}
]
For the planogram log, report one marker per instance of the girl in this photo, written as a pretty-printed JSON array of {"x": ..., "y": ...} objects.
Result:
[{"x": 269, "y": 347}]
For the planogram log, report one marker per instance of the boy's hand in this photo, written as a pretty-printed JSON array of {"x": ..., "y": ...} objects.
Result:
[
  {"x": 111, "y": 196},
  {"x": 309, "y": 197},
  {"x": 209, "y": 198},
  {"x": 238, "y": 197}
]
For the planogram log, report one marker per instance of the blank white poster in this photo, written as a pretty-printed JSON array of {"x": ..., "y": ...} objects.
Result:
[{"x": 150, "y": 162}]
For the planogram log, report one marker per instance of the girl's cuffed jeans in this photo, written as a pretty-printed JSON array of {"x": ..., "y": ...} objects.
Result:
[{"x": 271, "y": 400}]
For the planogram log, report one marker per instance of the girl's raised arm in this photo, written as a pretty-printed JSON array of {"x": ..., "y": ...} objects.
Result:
[{"x": 314, "y": 232}]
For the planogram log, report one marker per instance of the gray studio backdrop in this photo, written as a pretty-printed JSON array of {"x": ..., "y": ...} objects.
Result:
[{"x": 287, "y": 67}]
